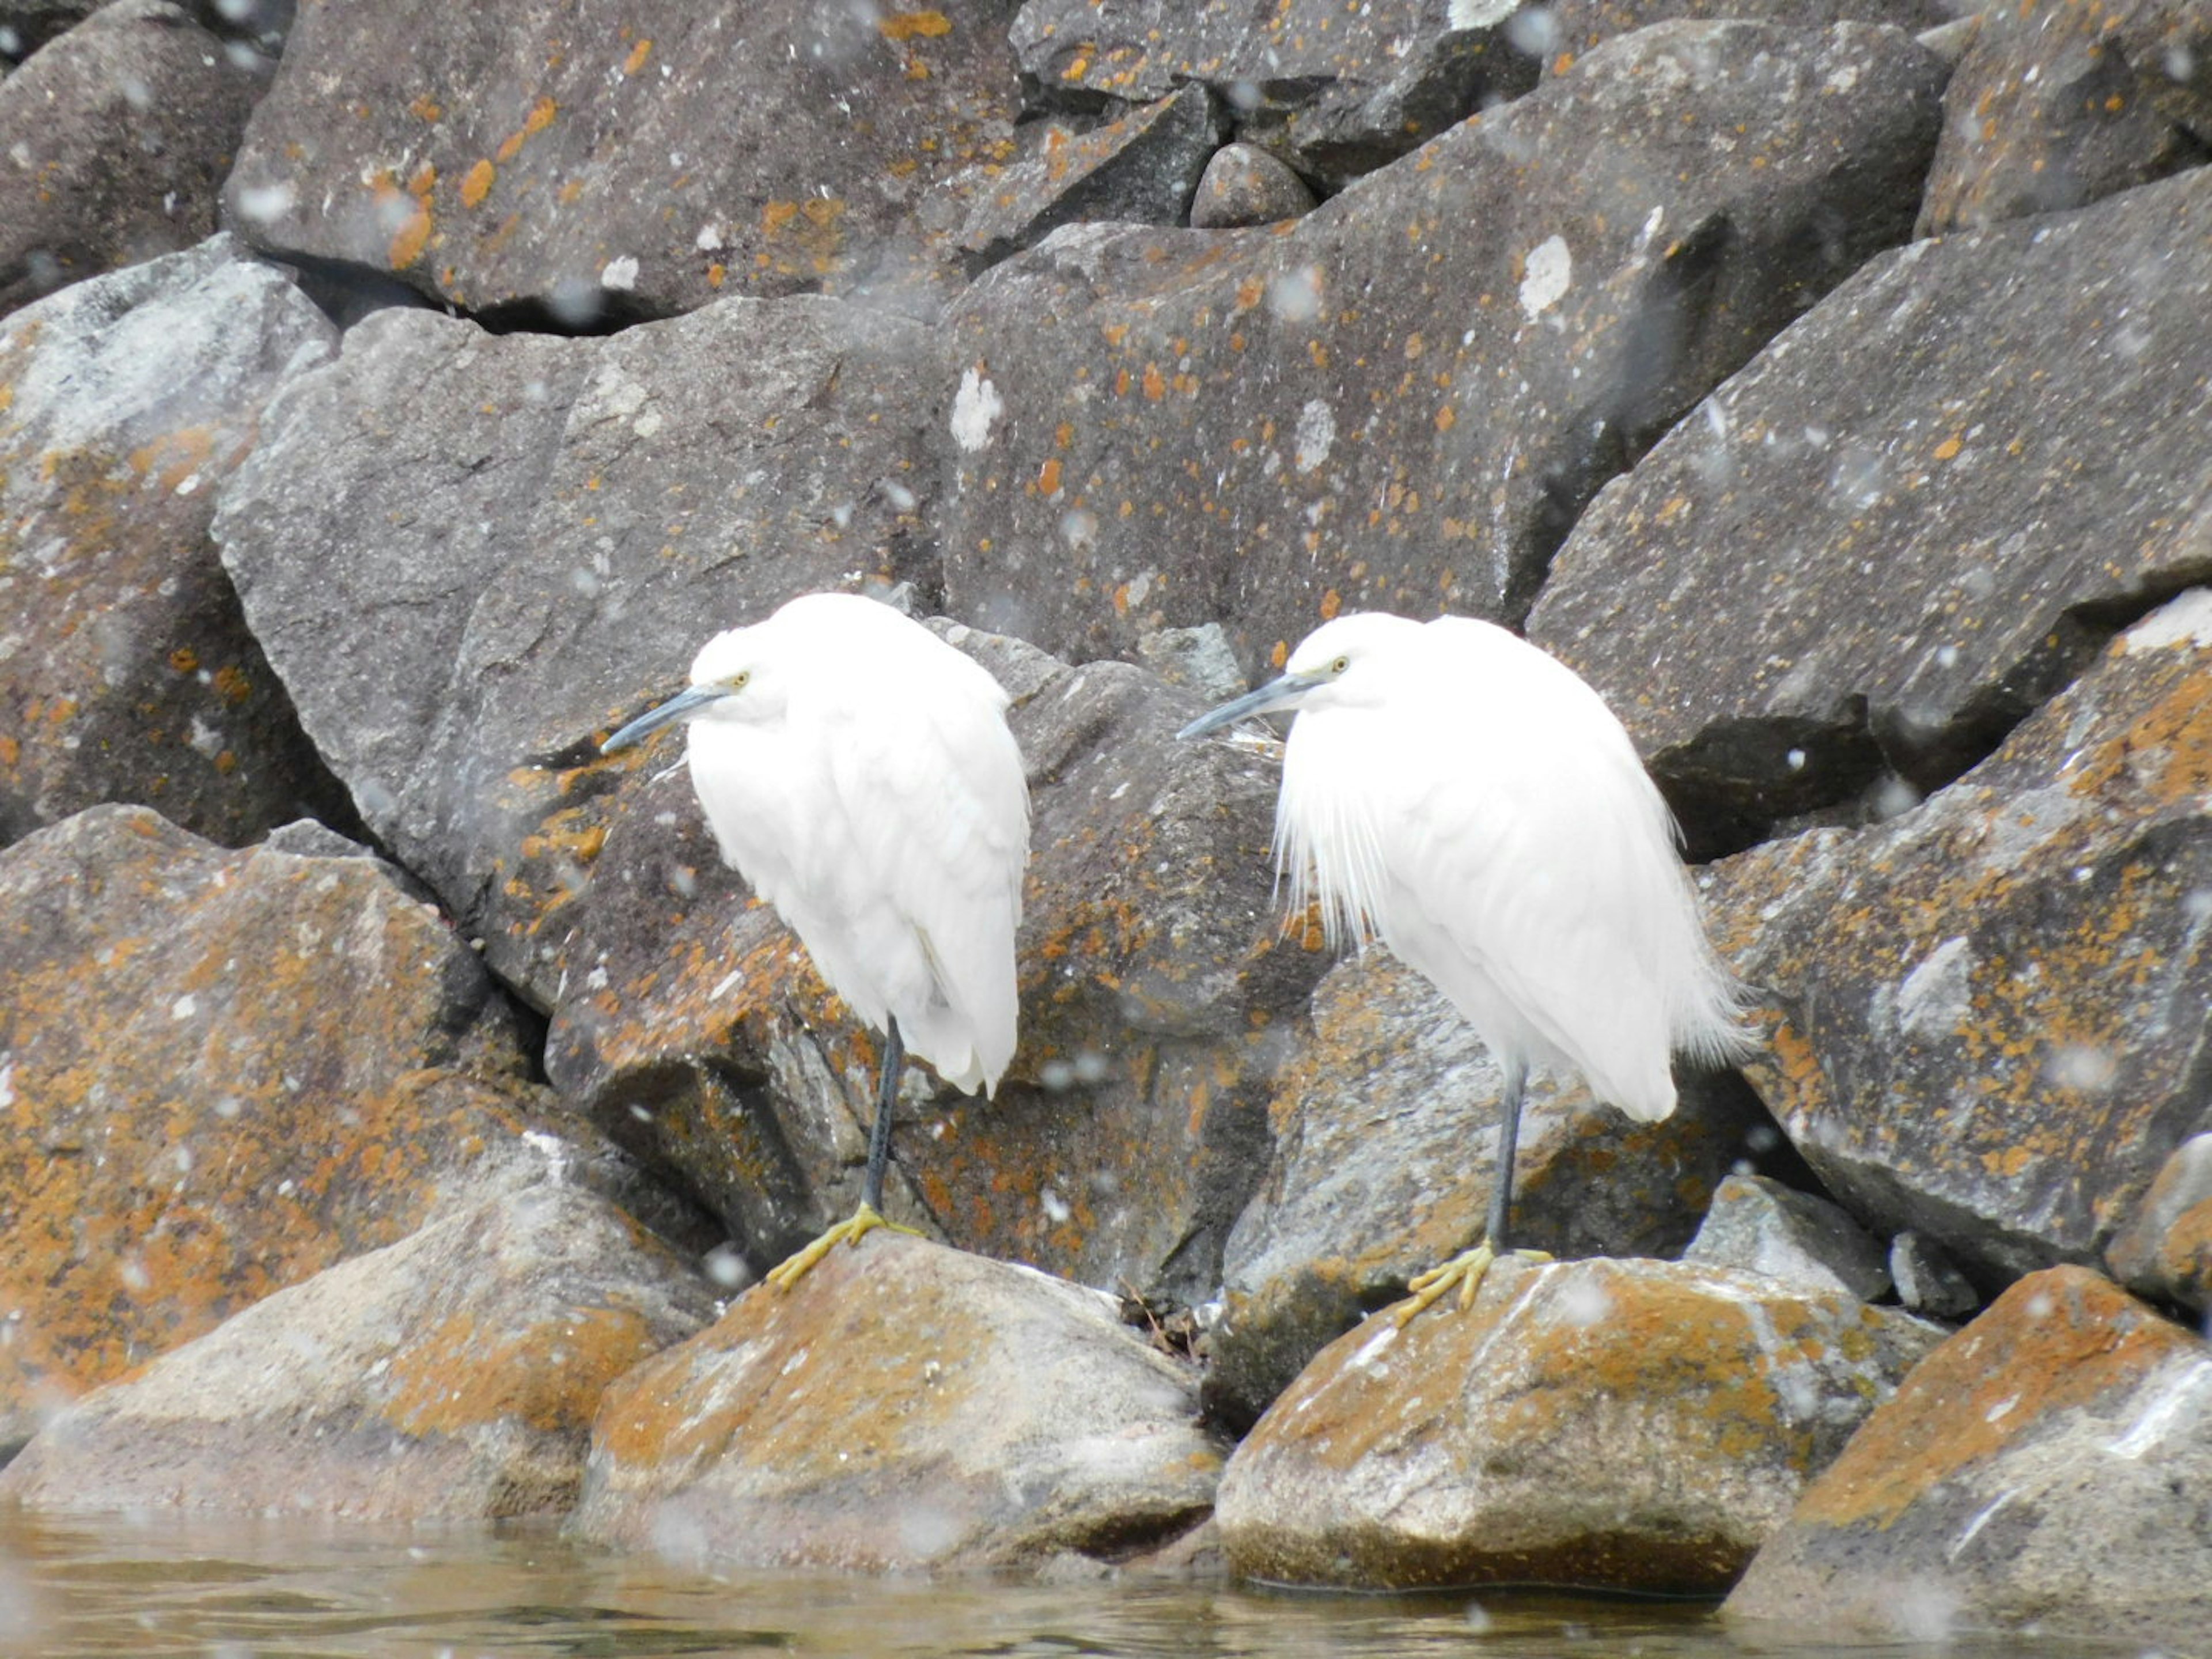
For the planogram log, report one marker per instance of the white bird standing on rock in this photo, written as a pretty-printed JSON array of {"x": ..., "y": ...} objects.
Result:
[
  {"x": 858, "y": 771},
  {"x": 1471, "y": 801}
]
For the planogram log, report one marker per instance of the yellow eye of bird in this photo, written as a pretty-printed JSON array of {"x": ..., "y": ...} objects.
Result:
[
  {"x": 1340, "y": 665},
  {"x": 738, "y": 680}
]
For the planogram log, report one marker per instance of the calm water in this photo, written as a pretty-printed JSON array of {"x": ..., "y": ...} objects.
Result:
[{"x": 226, "y": 1591}]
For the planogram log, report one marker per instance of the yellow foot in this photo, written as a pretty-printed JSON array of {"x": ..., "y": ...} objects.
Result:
[
  {"x": 1467, "y": 1270},
  {"x": 851, "y": 1230}
]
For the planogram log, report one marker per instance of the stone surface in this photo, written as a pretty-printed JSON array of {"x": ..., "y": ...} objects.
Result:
[
  {"x": 1156, "y": 989},
  {"x": 1386, "y": 1138},
  {"x": 198, "y": 1111},
  {"x": 451, "y": 1376},
  {"x": 560, "y": 525},
  {"x": 2046, "y": 1466},
  {"x": 1244, "y": 184},
  {"x": 1761, "y": 1227},
  {"x": 1142, "y": 168},
  {"x": 904, "y": 1407},
  {"x": 26, "y": 25},
  {"x": 1337, "y": 90},
  {"x": 1372, "y": 408},
  {"x": 632, "y": 164},
  {"x": 1630, "y": 1424},
  {"x": 2165, "y": 1249},
  {"x": 1927, "y": 1281},
  {"x": 126, "y": 671},
  {"x": 1988, "y": 1011},
  {"x": 1867, "y": 554},
  {"x": 1562, "y": 31},
  {"x": 2057, "y": 103},
  {"x": 113, "y": 145}
]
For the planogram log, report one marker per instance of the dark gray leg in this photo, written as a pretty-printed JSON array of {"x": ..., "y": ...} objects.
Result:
[
  {"x": 1509, "y": 1135},
  {"x": 879, "y": 1138}
]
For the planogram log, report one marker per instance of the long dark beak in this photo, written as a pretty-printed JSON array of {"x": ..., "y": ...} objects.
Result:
[
  {"x": 1282, "y": 693},
  {"x": 685, "y": 704}
]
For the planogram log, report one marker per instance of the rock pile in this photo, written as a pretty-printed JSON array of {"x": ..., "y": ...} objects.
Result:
[{"x": 398, "y": 1096}]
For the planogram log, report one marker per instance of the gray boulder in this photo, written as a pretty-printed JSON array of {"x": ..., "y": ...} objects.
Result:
[
  {"x": 1244, "y": 184},
  {"x": 1757, "y": 1225},
  {"x": 127, "y": 671},
  {"x": 1374, "y": 408}
]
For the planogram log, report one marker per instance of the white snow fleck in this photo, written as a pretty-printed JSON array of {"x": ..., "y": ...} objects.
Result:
[
  {"x": 2184, "y": 621},
  {"x": 1550, "y": 270},
  {"x": 1933, "y": 998},
  {"x": 708, "y": 238},
  {"x": 1316, "y": 435},
  {"x": 184, "y": 1007},
  {"x": 974, "y": 406},
  {"x": 620, "y": 274}
]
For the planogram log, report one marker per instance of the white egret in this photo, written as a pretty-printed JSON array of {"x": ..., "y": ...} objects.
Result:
[
  {"x": 1470, "y": 800},
  {"x": 859, "y": 773}
]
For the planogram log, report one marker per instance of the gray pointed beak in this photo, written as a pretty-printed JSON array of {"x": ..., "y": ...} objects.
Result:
[
  {"x": 1281, "y": 693},
  {"x": 685, "y": 704}
]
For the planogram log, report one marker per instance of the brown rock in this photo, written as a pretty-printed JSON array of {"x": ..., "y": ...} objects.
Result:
[
  {"x": 1385, "y": 1132},
  {"x": 1243, "y": 184},
  {"x": 2166, "y": 1250},
  {"x": 1987, "y": 1012},
  {"x": 224, "y": 1072},
  {"x": 2044, "y": 1466},
  {"x": 451, "y": 1376},
  {"x": 600, "y": 164},
  {"x": 2058, "y": 103},
  {"x": 905, "y": 1406},
  {"x": 126, "y": 671},
  {"x": 1632, "y": 1424},
  {"x": 114, "y": 144}
]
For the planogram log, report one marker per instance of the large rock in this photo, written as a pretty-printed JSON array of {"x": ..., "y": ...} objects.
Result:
[
  {"x": 451, "y": 1376},
  {"x": 558, "y": 525},
  {"x": 905, "y": 1406},
  {"x": 1386, "y": 1145},
  {"x": 114, "y": 144},
  {"x": 224, "y": 1072},
  {"x": 126, "y": 671},
  {"x": 1336, "y": 90},
  {"x": 2058, "y": 102},
  {"x": 1632, "y": 1425},
  {"x": 1989, "y": 1011},
  {"x": 1373, "y": 408},
  {"x": 1156, "y": 993},
  {"x": 633, "y": 163},
  {"x": 2045, "y": 1468},
  {"x": 1562, "y": 31},
  {"x": 1868, "y": 551},
  {"x": 1757, "y": 1225}
]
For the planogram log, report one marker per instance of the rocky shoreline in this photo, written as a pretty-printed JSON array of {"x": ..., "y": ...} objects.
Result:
[{"x": 400, "y": 1100}]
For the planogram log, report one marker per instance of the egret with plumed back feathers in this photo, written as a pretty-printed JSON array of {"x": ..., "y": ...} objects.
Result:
[
  {"x": 1468, "y": 798},
  {"x": 859, "y": 772}
]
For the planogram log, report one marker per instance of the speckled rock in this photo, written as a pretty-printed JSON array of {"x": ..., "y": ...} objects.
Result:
[
  {"x": 1630, "y": 1424},
  {"x": 906, "y": 1406},
  {"x": 451, "y": 1376},
  {"x": 1386, "y": 1139},
  {"x": 638, "y": 163},
  {"x": 2057, "y": 103},
  {"x": 560, "y": 525},
  {"x": 1990, "y": 1009},
  {"x": 1867, "y": 554},
  {"x": 1338, "y": 90},
  {"x": 126, "y": 672},
  {"x": 1562, "y": 31},
  {"x": 113, "y": 145},
  {"x": 2046, "y": 1466},
  {"x": 1370, "y": 407},
  {"x": 1757, "y": 1225},
  {"x": 199, "y": 1113},
  {"x": 1244, "y": 184},
  {"x": 1140, "y": 169},
  {"x": 2165, "y": 1249},
  {"x": 1156, "y": 986}
]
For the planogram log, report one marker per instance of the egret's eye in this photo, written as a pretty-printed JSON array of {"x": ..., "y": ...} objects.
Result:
[
  {"x": 738, "y": 680},
  {"x": 1340, "y": 665}
]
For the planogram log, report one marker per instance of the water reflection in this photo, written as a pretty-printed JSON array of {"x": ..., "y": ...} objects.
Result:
[{"x": 231, "y": 1590}]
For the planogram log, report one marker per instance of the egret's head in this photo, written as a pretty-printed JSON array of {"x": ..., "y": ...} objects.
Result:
[
  {"x": 727, "y": 683},
  {"x": 1335, "y": 664}
]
